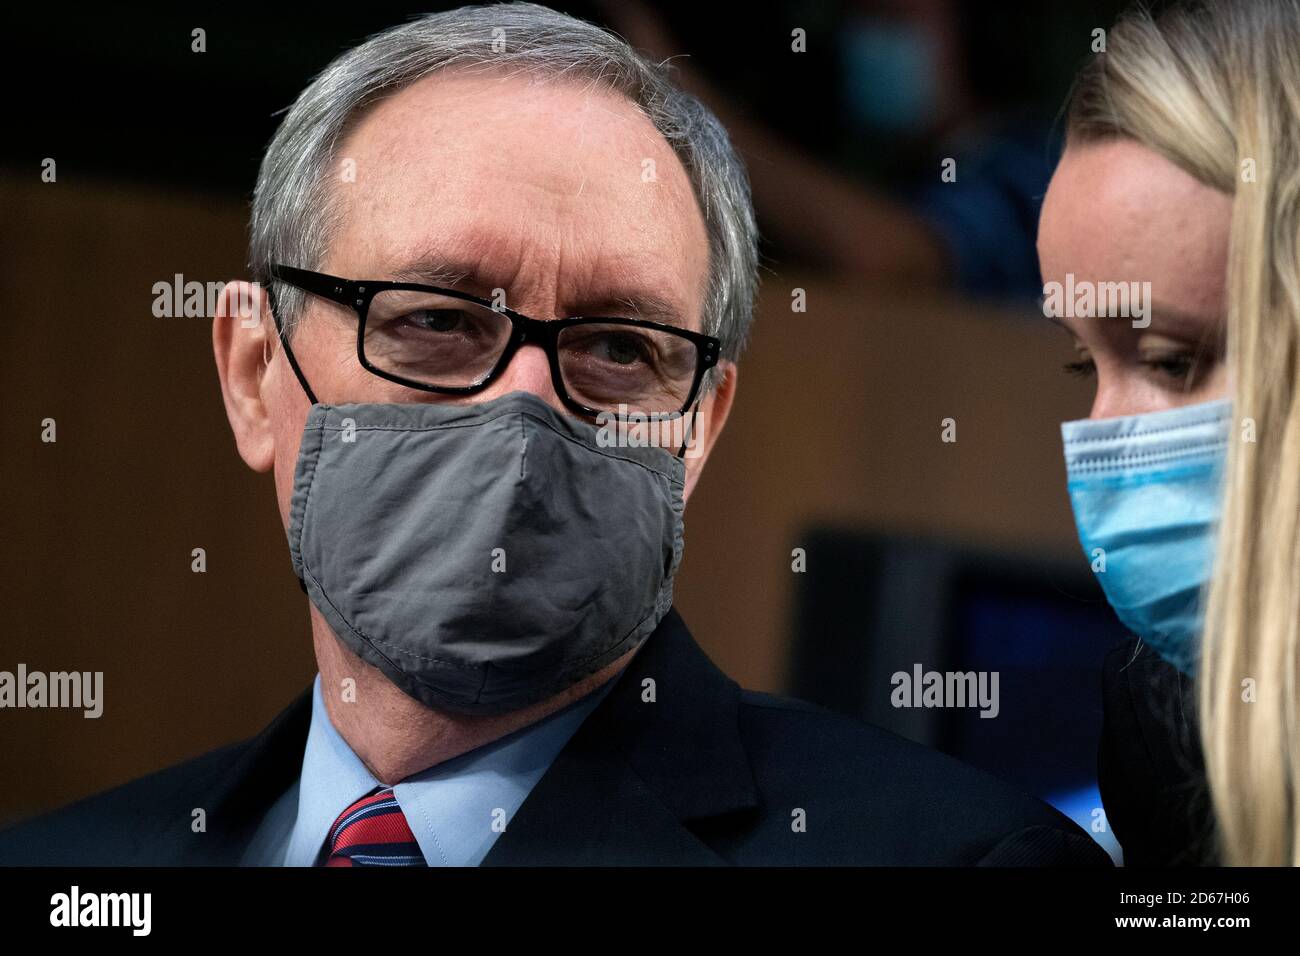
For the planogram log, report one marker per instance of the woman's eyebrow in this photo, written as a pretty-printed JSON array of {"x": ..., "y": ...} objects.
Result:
[
  {"x": 1164, "y": 318},
  {"x": 1189, "y": 322}
]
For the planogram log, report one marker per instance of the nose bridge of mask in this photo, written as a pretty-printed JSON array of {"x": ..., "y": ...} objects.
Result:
[{"x": 1126, "y": 448}]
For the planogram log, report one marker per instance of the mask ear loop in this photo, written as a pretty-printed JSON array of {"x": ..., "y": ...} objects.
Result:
[
  {"x": 293, "y": 364},
  {"x": 288, "y": 352},
  {"x": 686, "y": 436}
]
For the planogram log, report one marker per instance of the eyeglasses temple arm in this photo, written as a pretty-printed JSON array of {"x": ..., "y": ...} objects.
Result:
[{"x": 317, "y": 283}]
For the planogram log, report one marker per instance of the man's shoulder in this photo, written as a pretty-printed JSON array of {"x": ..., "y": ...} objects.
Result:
[
  {"x": 137, "y": 821},
  {"x": 196, "y": 812},
  {"x": 876, "y": 797}
]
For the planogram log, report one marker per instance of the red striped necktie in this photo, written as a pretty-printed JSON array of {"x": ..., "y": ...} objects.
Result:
[{"x": 373, "y": 832}]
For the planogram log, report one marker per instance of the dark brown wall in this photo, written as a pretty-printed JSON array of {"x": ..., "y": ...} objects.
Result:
[{"x": 837, "y": 419}]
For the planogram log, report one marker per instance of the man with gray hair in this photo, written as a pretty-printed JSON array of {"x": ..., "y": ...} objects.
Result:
[{"x": 496, "y": 246}]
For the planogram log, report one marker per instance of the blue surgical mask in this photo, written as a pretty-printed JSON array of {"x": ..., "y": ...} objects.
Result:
[{"x": 1146, "y": 494}]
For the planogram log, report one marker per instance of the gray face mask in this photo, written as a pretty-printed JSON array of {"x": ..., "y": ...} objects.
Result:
[{"x": 484, "y": 557}]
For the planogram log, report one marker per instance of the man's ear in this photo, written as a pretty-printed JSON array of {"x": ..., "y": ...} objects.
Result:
[
  {"x": 714, "y": 411},
  {"x": 243, "y": 342}
]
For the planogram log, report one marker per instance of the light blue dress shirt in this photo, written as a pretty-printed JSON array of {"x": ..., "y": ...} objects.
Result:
[{"x": 451, "y": 807}]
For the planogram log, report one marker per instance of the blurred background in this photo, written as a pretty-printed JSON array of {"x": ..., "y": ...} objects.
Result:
[{"x": 835, "y": 540}]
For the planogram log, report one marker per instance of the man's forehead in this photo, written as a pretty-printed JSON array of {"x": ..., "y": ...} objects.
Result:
[{"x": 490, "y": 178}]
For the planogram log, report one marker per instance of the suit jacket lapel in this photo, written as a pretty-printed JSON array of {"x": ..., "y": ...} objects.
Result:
[
  {"x": 660, "y": 751},
  {"x": 241, "y": 793}
]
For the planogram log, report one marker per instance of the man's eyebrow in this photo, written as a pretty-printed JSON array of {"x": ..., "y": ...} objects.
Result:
[
  {"x": 440, "y": 270},
  {"x": 431, "y": 270},
  {"x": 636, "y": 305}
]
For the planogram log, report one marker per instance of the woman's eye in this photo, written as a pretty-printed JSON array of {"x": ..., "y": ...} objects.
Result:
[
  {"x": 1084, "y": 368},
  {"x": 1176, "y": 367}
]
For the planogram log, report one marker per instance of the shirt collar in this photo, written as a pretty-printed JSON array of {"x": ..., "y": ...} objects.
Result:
[{"x": 456, "y": 809}]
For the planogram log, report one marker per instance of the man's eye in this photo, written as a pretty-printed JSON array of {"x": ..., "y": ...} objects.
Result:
[
  {"x": 1084, "y": 368},
  {"x": 615, "y": 348},
  {"x": 623, "y": 349},
  {"x": 437, "y": 320}
]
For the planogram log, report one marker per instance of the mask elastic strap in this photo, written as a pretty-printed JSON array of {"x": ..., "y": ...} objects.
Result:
[
  {"x": 302, "y": 379},
  {"x": 288, "y": 352},
  {"x": 686, "y": 437}
]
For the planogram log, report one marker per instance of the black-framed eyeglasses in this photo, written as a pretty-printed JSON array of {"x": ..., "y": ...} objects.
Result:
[{"x": 453, "y": 343}]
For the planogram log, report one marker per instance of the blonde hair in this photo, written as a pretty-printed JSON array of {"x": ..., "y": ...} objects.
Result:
[{"x": 1214, "y": 87}]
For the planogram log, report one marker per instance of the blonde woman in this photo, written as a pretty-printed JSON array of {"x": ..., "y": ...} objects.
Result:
[{"x": 1181, "y": 180}]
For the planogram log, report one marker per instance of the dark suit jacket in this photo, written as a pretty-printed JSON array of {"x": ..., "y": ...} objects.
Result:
[
  {"x": 706, "y": 774},
  {"x": 1151, "y": 770}
]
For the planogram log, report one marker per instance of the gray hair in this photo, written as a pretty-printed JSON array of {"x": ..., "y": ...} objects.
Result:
[{"x": 293, "y": 216}]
